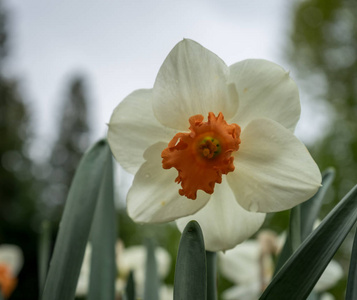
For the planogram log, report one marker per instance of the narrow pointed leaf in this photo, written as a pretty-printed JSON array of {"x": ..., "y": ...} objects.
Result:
[
  {"x": 44, "y": 252},
  {"x": 298, "y": 276},
  {"x": 103, "y": 238},
  {"x": 211, "y": 258},
  {"x": 308, "y": 213},
  {"x": 75, "y": 225},
  {"x": 130, "y": 287},
  {"x": 295, "y": 227},
  {"x": 310, "y": 209},
  {"x": 151, "y": 291},
  {"x": 313, "y": 296},
  {"x": 351, "y": 292},
  {"x": 190, "y": 274}
]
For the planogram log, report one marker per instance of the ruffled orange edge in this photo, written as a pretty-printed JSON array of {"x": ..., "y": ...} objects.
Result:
[{"x": 197, "y": 168}]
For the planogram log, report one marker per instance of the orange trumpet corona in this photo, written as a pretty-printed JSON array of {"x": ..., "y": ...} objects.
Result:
[
  {"x": 7, "y": 281},
  {"x": 202, "y": 155}
]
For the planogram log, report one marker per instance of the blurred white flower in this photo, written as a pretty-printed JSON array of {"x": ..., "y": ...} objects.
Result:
[
  {"x": 240, "y": 163},
  {"x": 250, "y": 267},
  {"x": 128, "y": 259},
  {"x": 11, "y": 262},
  {"x": 134, "y": 259}
]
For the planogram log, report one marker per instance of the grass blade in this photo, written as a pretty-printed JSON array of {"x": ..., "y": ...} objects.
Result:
[
  {"x": 295, "y": 227},
  {"x": 130, "y": 287},
  {"x": 298, "y": 276},
  {"x": 190, "y": 274},
  {"x": 103, "y": 238},
  {"x": 211, "y": 258},
  {"x": 351, "y": 292},
  {"x": 302, "y": 219},
  {"x": 44, "y": 252},
  {"x": 75, "y": 225},
  {"x": 151, "y": 291},
  {"x": 310, "y": 209}
]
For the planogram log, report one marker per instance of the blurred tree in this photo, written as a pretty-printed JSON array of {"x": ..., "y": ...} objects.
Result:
[
  {"x": 73, "y": 140},
  {"x": 324, "y": 51},
  {"x": 17, "y": 192}
]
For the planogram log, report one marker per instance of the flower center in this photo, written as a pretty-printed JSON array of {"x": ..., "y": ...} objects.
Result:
[
  {"x": 209, "y": 147},
  {"x": 202, "y": 155}
]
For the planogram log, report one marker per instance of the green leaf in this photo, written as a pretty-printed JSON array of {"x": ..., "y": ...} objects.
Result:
[
  {"x": 313, "y": 296},
  {"x": 351, "y": 291},
  {"x": 298, "y": 276},
  {"x": 302, "y": 219},
  {"x": 190, "y": 274},
  {"x": 211, "y": 258},
  {"x": 103, "y": 237},
  {"x": 130, "y": 287},
  {"x": 44, "y": 246},
  {"x": 295, "y": 227},
  {"x": 310, "y": 209},
  {"x": 75, "y": 225},
  {"x": 151, "y": 291}
]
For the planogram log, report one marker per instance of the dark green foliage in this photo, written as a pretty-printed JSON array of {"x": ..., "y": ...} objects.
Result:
[
  {"x": 351, "y": 292},
  {"x": 190, "y": 273},
  {"x": 130, "y": 287},
  {"x": 211, "y": 258},
  {"x": 17, "y": 190},
  {"x": 44, "y": 249},
  {"x": 76, "y": 224},
  {"x": 299, "y": 274},
  {"x": 103, "y": 237},
  {"x": 152, "y": 282},
  {"x": 324, "y": 50},
  {"x": 303, "y": 217}
]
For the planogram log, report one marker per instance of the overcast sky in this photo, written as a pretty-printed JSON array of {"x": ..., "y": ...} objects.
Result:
[{"x": 120, "y": 45}]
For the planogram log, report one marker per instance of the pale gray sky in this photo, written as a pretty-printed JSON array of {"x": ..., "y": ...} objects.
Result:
[{"x": 120, "y": 46}]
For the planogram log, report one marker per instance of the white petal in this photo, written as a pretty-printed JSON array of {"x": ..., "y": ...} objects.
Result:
[
  {"x": 265, "y": 90},
  {"x": 12, "y": 257},
  {"x": 83, "y": 279},
  {"x": 244, "y": 292},
  {"x": 241, "y": 264},
  {"x": 332, "y": 274},
  {"x": 82, "y": 285},
  {"x": 223, "y": 221},
  {"x": 327, "y": 296},
  {"x": 133, "y": 128},
  {"x": 154, "y": 197},
  {"x": 134, "y": 258},
  {"x": 166, "y": 292},
  {"x": 273, "y": 169},
  {"x": 192, "y": 80}
]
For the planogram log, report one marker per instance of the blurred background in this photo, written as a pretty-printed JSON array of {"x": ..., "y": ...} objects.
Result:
[{"x": 65, "y": 66}]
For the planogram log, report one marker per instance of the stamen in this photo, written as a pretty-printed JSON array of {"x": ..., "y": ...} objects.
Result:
[{"x": 202, "y": 155}]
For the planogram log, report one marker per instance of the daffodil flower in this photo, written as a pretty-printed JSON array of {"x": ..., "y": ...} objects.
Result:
[
  {"x": 250, "y": 267},
  {"x": 128, "y": 259},
  {"x": 213, "y": 143},
  {"x": 134, "y": 259},
  {"x": 11, "y": 261}
]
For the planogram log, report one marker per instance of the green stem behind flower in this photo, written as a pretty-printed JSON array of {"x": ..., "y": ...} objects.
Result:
[{"x": 211, "y": 258}]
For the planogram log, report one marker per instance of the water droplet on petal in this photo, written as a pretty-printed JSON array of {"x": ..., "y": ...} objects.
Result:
[{"x": 147, "y": 175}]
